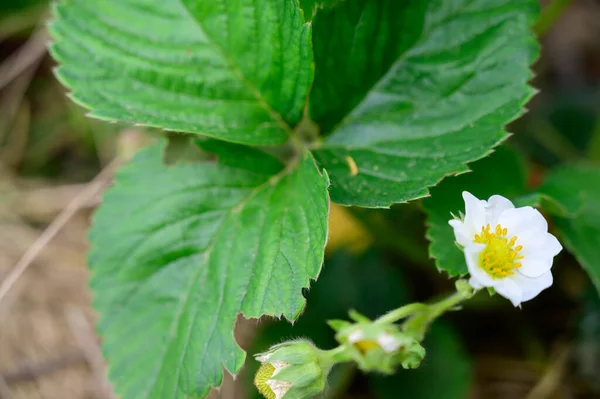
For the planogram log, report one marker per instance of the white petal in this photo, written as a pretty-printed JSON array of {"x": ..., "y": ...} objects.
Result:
[
  {"x": 541, "y": 246},
  {"x": 475, "y": 284},
  {"x": 551, "y": 245},
  {"x": 478, "y": 276},
  {"x": 459, "y": 232},
  {"x": 496, "y": 205},
  {"x": 355, "y": 336},
  {"x": 278, "y": 365},
  {"x": 510, "y": 290},
  {"x": 475, "y": 214},
  {"x": 525, "y": 222},
  {"x": 531, "y": 287},
  {"x": 263, "y": 358},
  {"x": 388, "y": 342},
  {"x": 534, "y": 267},
  {"x": 279, "y": 388}
]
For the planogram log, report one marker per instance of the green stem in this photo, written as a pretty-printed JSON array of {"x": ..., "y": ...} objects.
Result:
[
  {"x": 549, "y": 15},
  {"x": 336, "y": 355},
  {"x": 307, "y": 130},
  {"x": 400, "y": 313},
  {"x": 422, "y": 315},
  {"x": 418, "y": 324},
  {"x": 297, "y": 144},
  {"x": 444, "y": 305}
]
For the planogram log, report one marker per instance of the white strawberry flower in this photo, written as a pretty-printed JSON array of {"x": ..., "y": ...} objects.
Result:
[{"x": 506, "y": 248}]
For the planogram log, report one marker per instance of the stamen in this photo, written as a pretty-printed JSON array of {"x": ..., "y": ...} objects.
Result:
[{"x": 499, "y": 257}]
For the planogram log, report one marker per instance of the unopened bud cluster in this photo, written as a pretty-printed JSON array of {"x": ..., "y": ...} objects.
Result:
[
  {"x": 298, "y": 369},
  {"x": 378, "y": 347},
  {"x": 292, "y": 370}
]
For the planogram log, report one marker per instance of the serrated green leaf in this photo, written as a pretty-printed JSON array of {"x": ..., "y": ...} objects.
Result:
[
  {"x": 501, "y": 173},
  {"x": 179, "y": 251},
  {"x": 446, "y": 372},
  {"x": 459, "y": 74},
  {"x": 576, "y": 188},
  {"x": 573, "y": 187},
  {"x": 235, "y": 70},
  {"x": 582, "y": 238},
  {"x": 539, "y": 200},
  {"x": 355, "y": 45}
]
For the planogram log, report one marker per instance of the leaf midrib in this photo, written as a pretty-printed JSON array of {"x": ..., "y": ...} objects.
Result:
[{"x": 238, "y": 72}]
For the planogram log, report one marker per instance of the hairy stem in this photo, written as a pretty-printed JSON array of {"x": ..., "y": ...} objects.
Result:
[
  {"x": 418, "y": 324},
  {"x": 402, "y": 312}
]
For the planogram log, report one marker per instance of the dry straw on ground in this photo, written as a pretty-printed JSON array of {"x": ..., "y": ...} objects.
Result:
[{"x": 40, "y": 354}]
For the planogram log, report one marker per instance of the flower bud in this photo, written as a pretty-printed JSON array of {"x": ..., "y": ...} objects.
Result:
[
  {"x": 464, "y": 288},
  {"x": 292, "y": 370},
  {"x": 378, "y": 347}
]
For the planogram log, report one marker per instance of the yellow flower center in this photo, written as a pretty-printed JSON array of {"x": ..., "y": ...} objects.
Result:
[
  {"x": 269, "y": 388},
  {"x": 264, "y": 373},
  {"x": 500, "y": 256},
  {"x": 365, "y": 345}
]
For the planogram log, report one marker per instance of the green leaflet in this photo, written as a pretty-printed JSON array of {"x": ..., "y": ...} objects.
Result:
[
  {"x": 355, "y": 45},
  {"x": 582, "y": 238},
  {"x": 459, "y": 73},
  {"x": 235, "y": 70},
  {"x": 573, "y": 188},
  {"x": 576, "y": 189},
  {"x": 501, "y": 173},
  {"x": 179, "y": 251}
]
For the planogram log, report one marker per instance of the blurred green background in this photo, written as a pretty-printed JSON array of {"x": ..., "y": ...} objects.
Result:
[{"x": 376, "y": 259}]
